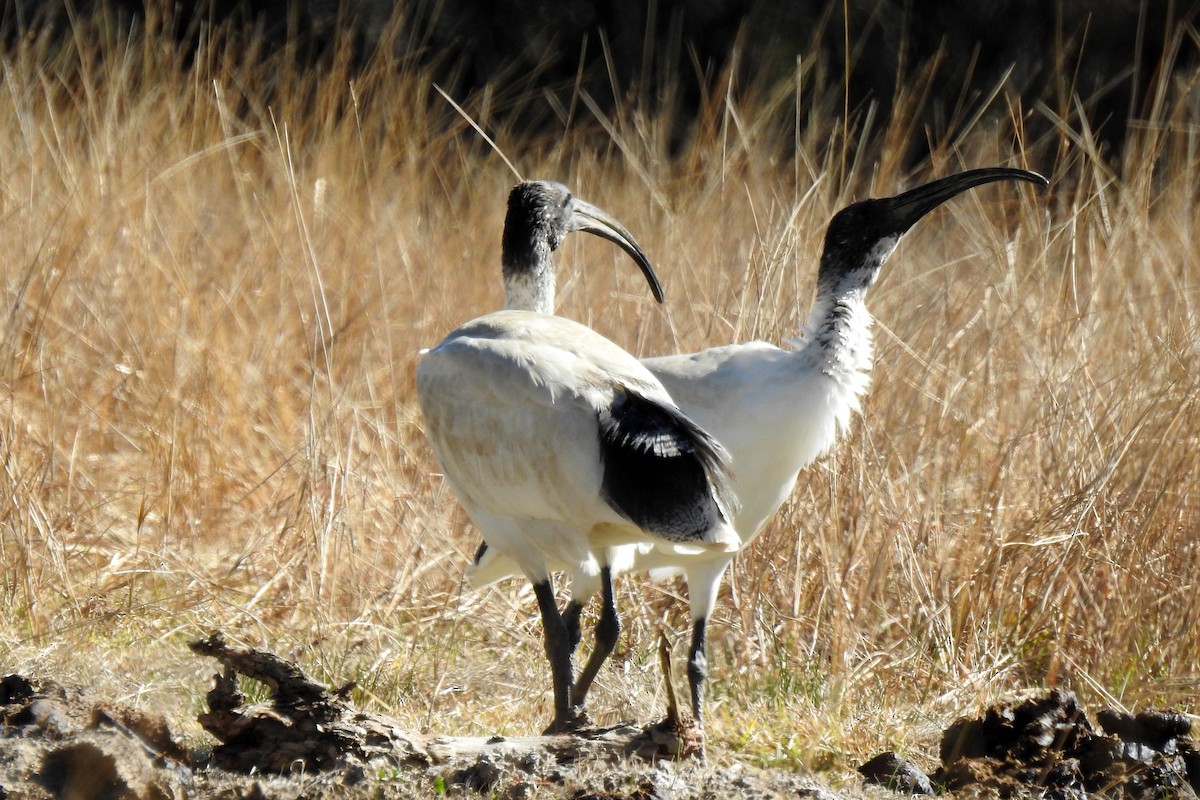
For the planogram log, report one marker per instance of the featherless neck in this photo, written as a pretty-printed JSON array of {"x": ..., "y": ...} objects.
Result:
[{"x": 529, "y": 281}]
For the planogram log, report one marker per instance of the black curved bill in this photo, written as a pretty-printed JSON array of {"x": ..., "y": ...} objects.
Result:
[
  {"x": 599, "y": 222},
  {"x": 905, "y": 209}
]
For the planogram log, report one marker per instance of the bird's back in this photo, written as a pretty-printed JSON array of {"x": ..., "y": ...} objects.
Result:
[
  {"x": 498, "y": 400},
  {"x": 531, "y": 417},
  {"x": 773, "y": 413}
]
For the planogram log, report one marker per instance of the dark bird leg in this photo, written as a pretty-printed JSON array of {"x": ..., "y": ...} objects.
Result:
[
  {"x": 558, "y": 651},
  {"x": 697, "y": 670},
  {"x": 574, "y": 627},
  {"x": 608, "y": 629}
]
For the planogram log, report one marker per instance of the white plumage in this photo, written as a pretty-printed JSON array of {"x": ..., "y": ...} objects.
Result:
[
  {"x": 777, "y": 409},
  {"x": 558, "y": 443},
  {"x": 513, "y": 404}
]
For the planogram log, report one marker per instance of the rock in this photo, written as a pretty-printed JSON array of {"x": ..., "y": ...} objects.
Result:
[{"x": 893, "y": 772}]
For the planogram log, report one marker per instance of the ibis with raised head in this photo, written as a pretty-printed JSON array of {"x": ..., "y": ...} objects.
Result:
[
  {"x": 776, "y": 409},
  {"x": 561, "y": 446}
]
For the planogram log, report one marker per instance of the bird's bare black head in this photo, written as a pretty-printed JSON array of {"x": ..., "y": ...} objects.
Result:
[
  {"x": 861, "y": 236},
  {"x": 541, "y": 214}
]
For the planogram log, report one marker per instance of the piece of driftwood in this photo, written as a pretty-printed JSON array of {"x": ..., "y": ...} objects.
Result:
[{"x": 308, "y": 727}]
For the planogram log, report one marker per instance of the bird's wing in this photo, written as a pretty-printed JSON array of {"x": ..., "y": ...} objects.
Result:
[
  {"x": 563, "y": 353},
  {"x": 539, "y": 417},
  {"x": 512, "y": 423},
  {"x": 662, "y": 471}
]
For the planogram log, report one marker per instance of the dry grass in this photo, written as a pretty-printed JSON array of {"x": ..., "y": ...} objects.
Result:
[{"x": 217, "y": 278}]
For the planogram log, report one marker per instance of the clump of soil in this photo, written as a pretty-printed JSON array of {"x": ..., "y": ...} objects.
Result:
[
  {"x": 1048, "y": 745},
  {"x": 60, "y": 743}
]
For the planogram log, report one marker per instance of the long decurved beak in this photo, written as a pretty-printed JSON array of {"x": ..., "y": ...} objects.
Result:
[
  {"x": 599, "y": 222},
  {"x": 905, "y": 209}
]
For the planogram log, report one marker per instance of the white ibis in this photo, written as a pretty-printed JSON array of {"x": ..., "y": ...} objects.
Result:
[
  {"x": 558, "y": 443},
  {"x": 777, "y": 409}
]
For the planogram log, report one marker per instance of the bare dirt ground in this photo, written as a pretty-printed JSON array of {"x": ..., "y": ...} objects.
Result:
[{"x": 310, "y": 742}]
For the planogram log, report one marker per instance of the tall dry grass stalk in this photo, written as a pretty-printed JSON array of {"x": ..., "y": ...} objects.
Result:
[{"x": 218, "y": 273}]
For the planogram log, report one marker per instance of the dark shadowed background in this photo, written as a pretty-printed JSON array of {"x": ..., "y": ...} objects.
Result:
[{"x": 1100, "y": 60}]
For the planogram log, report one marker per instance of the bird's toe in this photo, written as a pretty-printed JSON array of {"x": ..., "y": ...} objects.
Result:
[{"x": 575, "y": 721}]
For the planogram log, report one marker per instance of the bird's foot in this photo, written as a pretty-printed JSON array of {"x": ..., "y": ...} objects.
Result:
[
  {"x": 678, "y": 738},
  {"x": 575, "y": 721}
]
